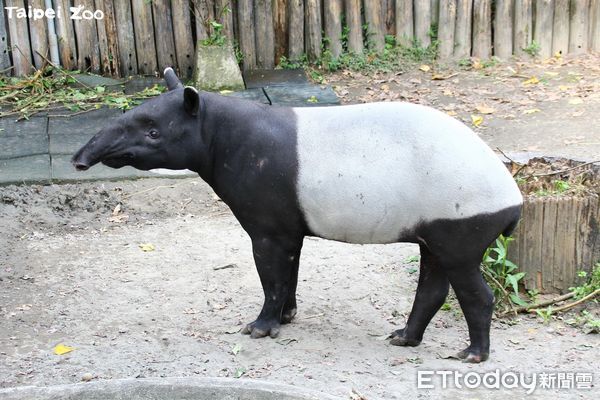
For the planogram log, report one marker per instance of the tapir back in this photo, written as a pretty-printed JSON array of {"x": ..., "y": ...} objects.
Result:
[{"x": 371, "y": 173}]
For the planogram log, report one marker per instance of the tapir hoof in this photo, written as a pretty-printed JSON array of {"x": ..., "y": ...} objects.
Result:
[
  {"x": 399, "y": 339},
  {"x": 288, "y": 316},
  {"x": 470, "y": 355},
  {"x": 261, "y": 328}
]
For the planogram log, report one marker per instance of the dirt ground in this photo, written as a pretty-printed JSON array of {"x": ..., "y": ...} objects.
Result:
[{"x": 73, "y": 271}]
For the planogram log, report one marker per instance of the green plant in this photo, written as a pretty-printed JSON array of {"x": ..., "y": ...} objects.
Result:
[
  {"x": 502, "y": 274},
  {"x": 561, "y": 186},
  {"x": 591, "y": 285},
  {"x": 545, "y": 313},
  {"x": 216, "y": 36},
  {"x": 533, "y": 49}
]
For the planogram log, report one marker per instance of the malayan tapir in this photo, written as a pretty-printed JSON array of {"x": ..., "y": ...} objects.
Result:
[{"x": 368, "y": 173}]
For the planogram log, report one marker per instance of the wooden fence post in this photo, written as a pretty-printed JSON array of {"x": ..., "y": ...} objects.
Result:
[
  {"x": 313, "y": 28},
  {"x": 422, "y": 14},
  {"x": 204, "y": 12},
  {"x": 503, "y": 29},
  {"x": 296, "y": 29},
  {"x": 595, "y": 26},
  {"x": 107, "y": 39},
  {"x": 280, "y": 28},
  {"x": 333, "y": 26},
  {"x": 523, "y": 32},
  {"x": 127, "y": 51},
  {"x": 225, "y": 17},
  {"x": 482, "y": 28},
  {"x": 373, "y": 18},
  {"x": 560, "y": 27},
  {"x": 144, "y": 37},
  {"x": 446, "y": 25},
  {"x": 4, "y": 49},
  {"x": 88, "y": 53},
  {"x": 353, "y": 20},
  {"x": 389, "y": 13},
  {"x": 246, "y": 28},
  {"x": 163, "y": 28},
  {"x": 38, "y": 30},
  {"x": 578, "y": 32},
  {"x": 265, "y": 43},
  {"x": 184, "y": 44},
  {"x": 65, "y": 35},
  {"x": 405, "y": 28},
  {"x": 435, "y": 11},
  {"x": 542, "y": 34},
  {"x": 462, "y": 32}
]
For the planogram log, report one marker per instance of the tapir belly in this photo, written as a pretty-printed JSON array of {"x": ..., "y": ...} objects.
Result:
[{"x": 372, "y": 173}]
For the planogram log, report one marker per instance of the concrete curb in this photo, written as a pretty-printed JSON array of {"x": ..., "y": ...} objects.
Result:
[{"x": 167, "y": 389}]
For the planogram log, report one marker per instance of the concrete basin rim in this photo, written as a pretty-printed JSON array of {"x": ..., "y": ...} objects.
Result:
[{"x": 127, "y": 384}]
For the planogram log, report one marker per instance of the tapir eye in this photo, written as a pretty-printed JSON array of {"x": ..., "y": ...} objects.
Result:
[{"x": 153, "y": 134}]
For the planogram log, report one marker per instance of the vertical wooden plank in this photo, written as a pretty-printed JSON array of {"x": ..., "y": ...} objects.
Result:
[
  {"x": 503, "y": 29},
  {"x": 542, "y": 33},
  {"x": 564, "y": 252},
  {"x": 163, "y": 28},
  {"x": 38, "y": 31},
  {"x": 446, "y": 27},
  {"x": 353, "y": 20},
  {"x": 405, "y": 29},
  {"x": 583, "y": 245},
  {"x": 296, "y": 29},
  {"x": 224, "y": 14},
  {"x": 246, "y": 27},
  {"x": 373, "y": 18},
  {"x": 333, "y": 26},
  {"x": 523, "y": 32},
  {"x": 65, "y": 35},
  {"x": 560, "y": 27},
  {"x": 550, "y": 205},
  {"x": 204, "y": 13},
  {"x": 265, "y": 44},
  {"x": 422, "y": 14},
  {"x": 462, "y": 32},
  {"x": 578, "y": 32},
  {"x": 19, "y": 42},
  {"x": 144, "y": 37},
  {"x": 533, "y": 217},
  {"x": 4, "y": 48},
  {"x": 482, "y": 28},
  {"x": 390, "y": 17},
  {"x": 126, "y": 40},
  {"x": 184, "y": 44},
  {"x": 435, "y": 12},
  {"x": 108, "y": 39},
  {"x": 595, "y": 26},
  {"x": 88, "y": 53},
  {"x": 313, "y": 29},
  {"x": 280, "y": 27}
]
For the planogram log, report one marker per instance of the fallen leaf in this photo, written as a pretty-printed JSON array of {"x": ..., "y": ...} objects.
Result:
[
  {"x": 451, "y": 113},
  {"x": 226, "y": 91},
  {"x": 236, "y": 349},
  {"x": 425, "y": 68},
  {"x": 576, "y": 100},
  {"x": 563, "y": 87},
  {"x": 532, "y": 111},
  {"x": 61, "y": 349},
  {"x": 312, "y": 99},
  {"x": 531, "y": 81},
  {"x": 147, "y": 247},
  {"x": 550, "y": 73},
  {"x": 117, "y": 210},
  {"x": 117, "y": 219},
  {"x": 483, "y": 109},
  {"x": 476, "y": 120}
]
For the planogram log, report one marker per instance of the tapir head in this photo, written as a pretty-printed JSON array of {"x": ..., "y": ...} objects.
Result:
[{"x": 161, "y": 133}]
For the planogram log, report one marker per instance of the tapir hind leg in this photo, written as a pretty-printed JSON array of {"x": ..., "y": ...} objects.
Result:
[
  {"x": 431, "y": 293},
  {"x": 277, "y": 264}
]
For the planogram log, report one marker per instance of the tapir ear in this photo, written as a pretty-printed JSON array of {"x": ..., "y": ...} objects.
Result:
[
  {"x": 172, "y": 80},
  {"x": 191, "y": 100}
]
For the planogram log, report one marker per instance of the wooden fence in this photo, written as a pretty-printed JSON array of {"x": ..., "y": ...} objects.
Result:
[{"x": 144, "y": 36}]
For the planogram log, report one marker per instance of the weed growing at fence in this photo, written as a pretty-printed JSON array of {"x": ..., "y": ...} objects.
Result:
[
  {"x": 52, "y": 90},
  {"x": 533, "y": 49}
]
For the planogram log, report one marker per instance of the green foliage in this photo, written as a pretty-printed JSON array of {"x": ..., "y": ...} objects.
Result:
[
  {"x": 590, "y": 285},
  {"x": 502, "y": 274},
  {"x": 533, "y": 49},
  {"x": 216, "y": 37},
  {"x": 586, "y": 321},
  {"x": 52, "y": 88}
]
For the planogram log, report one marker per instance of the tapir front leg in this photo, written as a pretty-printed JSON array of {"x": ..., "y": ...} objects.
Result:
[{"x": 277, "y": 264}]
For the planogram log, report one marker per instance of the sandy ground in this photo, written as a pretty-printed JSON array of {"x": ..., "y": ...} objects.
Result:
[{"x": 73, "y": 273}]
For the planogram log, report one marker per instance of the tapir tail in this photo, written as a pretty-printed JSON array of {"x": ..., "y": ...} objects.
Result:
[{"x": 510, "y": 228}]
